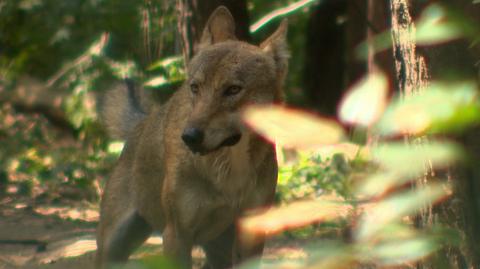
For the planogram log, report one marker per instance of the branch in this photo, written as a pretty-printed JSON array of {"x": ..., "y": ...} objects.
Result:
[
  {"x": 95, "y": 49},
  {"x": 279, "y": 13},
  {"x": 32, "y": 96}
]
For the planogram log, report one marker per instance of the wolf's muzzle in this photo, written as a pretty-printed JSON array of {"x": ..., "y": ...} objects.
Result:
[{"x": 193, "y": 138}]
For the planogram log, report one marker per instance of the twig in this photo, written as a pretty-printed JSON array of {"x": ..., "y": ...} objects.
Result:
[
  {"x": 278, "y": 13},
  {"x": 80, "y": 60}
]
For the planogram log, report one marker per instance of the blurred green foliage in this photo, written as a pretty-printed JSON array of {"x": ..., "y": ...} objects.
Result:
[
  {"x": 373, "y": 189},
  {"x": 76, "y": 48},
  {"x": 310, "y": 176}
]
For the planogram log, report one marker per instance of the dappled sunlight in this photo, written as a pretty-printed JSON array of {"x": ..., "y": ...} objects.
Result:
[
  {"x": 79, "y": 247},
  {"x": 69, "y": 213},
  {"x": 67, "y": 249}
]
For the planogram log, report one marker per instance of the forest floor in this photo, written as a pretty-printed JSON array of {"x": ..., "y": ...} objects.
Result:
[{"x": 62, "y": 235}]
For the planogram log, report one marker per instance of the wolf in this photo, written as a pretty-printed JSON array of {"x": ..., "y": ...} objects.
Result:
[{"x": 190, "y": 167}]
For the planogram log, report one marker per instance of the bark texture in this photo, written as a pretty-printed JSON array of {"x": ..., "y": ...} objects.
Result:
[{"x": 462, "y": 211}]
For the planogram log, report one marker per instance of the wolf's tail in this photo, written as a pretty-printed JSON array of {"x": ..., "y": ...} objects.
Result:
[{"x": 122, "y": 109}]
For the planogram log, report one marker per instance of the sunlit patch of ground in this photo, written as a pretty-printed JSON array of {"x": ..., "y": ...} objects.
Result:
[
  {"x": 63, "y": 236},
  {"x": 64, "y": 212}
]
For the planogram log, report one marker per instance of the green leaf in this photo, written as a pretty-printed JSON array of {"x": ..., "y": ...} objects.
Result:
[
  {"x": 366, "y": 101},
  {"x": 398, "y": 252},
  {"x": 401, "y": 163},
  {"x": 439, "y": 108},
  {"x": 434, "y": 26},
  {"x": 381, "y": 214},
  {"x": 378, "y": 43},
  {"x": 401, "y": 159},
  {"x": 301, "y": 214},
  {"x": 292, "y": 128},
  {"x": 378, "y": 184}
]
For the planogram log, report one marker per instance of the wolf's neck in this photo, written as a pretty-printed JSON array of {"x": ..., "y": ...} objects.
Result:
[{"x": 232, "y": 170}]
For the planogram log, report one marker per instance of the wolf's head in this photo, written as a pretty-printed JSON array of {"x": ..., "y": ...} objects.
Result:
[{"x": 224, "y": 76}]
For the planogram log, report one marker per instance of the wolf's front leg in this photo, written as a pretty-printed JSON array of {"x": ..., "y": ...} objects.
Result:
[
  {"x": 219, "y": 251},
  {"x": 118, "y": 240},
  {"x": 177, "y": 246}
]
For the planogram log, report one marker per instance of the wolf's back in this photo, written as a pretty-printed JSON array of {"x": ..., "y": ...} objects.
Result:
[{"x": 122, "y": 109}]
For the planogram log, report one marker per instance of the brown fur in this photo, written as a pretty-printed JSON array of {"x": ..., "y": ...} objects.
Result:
[{"x": 195, "y": 198}]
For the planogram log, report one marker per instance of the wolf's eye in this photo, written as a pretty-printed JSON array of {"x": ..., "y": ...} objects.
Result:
[
  {"x": 194, "y": 88},
  {"x": 232, "y": 90}
]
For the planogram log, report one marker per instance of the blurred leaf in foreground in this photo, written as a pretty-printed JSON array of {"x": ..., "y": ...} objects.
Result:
[
  {"x": 399, "y": 252},
  {"x": 379, "y": 42},
  {"x": 378, "y": 184},
  {"x": 292, "y": 128},
  {"x": 332, "y": 255},
  {"x": 434, "y": 26},
  {"x": 299, "y": 214},
  {"x": 381, "y": 214},
  {"x": 365, "y": 102},
  {"x": 324, "y": 255},
  {"x": 402, "y": 163},
  {"x": 411, "y": 160},
  {"x": 441, "y": 107}
]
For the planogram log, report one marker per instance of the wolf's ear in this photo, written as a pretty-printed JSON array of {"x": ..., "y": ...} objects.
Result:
[
  {"x": 276, "y": 45},
  {"x": 220, "y": 27}
]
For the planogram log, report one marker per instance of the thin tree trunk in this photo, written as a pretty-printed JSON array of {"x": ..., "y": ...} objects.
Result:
[
  {"x": 324, "y": 74},
  {"x": 334, "y": 31}
]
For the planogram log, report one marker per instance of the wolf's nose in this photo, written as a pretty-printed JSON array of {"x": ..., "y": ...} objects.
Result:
[{"x": 193, "y": 137}]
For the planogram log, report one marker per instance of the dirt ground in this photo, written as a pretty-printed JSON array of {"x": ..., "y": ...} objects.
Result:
[{"x": 60, "y": 236}]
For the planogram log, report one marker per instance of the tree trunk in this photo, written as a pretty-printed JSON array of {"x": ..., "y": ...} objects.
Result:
[
  {"x": 459, "y": 60},
  {"x": 325, "y": 61},
  {"x": 462, "y": 211},
  {"x": 334, "y": 31}
]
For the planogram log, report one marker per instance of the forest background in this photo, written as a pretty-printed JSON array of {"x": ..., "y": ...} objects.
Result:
[{"x": 57, "y": 58}]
